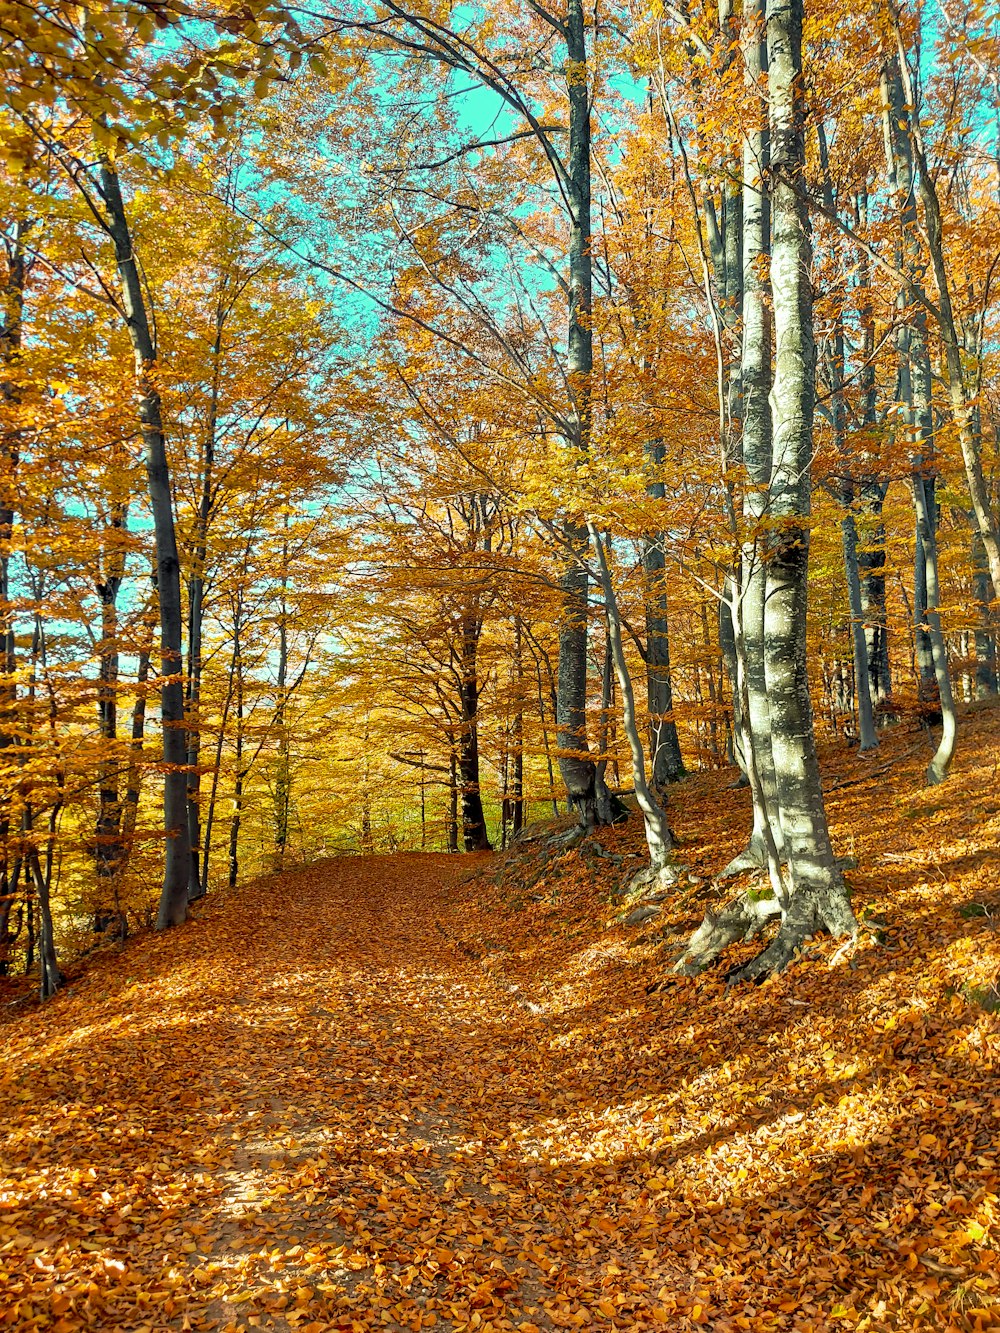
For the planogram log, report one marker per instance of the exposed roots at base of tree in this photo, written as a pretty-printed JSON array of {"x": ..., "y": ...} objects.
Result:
[
  {"x": 752, "y": 857},
  {"x": 655, "y": 878},
  {"x": 744, "y": 919}
]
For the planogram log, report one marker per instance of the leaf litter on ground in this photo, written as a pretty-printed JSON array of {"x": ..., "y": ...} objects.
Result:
[{"x": 381, "y": 1093}]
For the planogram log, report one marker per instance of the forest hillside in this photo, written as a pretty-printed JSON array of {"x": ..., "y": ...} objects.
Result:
[
  {"x": 397, "y": 1092},
  {"x": 499, "y": 676}
]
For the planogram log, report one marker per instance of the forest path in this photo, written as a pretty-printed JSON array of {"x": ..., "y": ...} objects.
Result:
[
  {"x": 373, "y": 1095},
  {"x": 298, "y": 1111}
]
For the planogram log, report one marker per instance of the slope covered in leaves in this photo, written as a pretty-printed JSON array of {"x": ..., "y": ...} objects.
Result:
[{"x": 383, "y": 1094}]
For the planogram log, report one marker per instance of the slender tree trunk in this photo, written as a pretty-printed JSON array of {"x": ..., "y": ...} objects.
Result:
[
  {"x": 602, "y": 792},
  {"x": 658, "y": 839},
  {"x": 198, "y": 884},
  {"x": 937, "y": 769},
  {"x": 925, "y": 534},
  {"x": 664, "y": 743},
  {"x": 133, "y": 782},
  {"x": 542, "y": 715},
  {"x": 921, "y": 424},
  {"x": 173, "y": 898},
  {"x": 220, "y": 740},
  {"x": 49, "y": 976},
  {"x": 867, "y": 735},
  {"x": 108, "y": 848},
  {"x": 575, "y": 762},
  {"x": 986, "y": 648},
  {"x": 903, "y": 147},
  {"x": 739, "y": 731},
  {"x": 869, "y": 496},
  {"x": 517, "y": 737},
  {"x": 239, "y": 768},
  {"x": 12, "y": 294},
  {"x": 452, "y": 797},
  {"x": 239, "y": 778},
  {"x": 9, "y": 934},
  {"x": 871, "y": 568},
  {"x": 29, "y": 918},
  {"x": 902, "y": 98},
  {"x": 283, "y": 775},
  {"x": 474, "y": 832}
]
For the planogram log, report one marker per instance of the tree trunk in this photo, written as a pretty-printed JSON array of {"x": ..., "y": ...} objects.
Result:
[
  {"x": 575, "y": 762},
  {"x": 919, "y": 413},
  {"x": 902, "y": 98},
  {"x": 283, "y": 774},
  {"x": 755, "y": 380},
  {"x": 871, "y": 568},
  {"x": 452, "y": 797},
  {"x": 601, "y": 789},
  {"x": 658, "y": 839},
  {"x": 238, "y": 780},
  {"x": 937, "y": 769},
  {"x": 665, "y": 757},
  {"x": 517, "y": 737},
  {"x": 11, "y": 329},
  {"x": 49, "y": 976},
  {"x": 925, "y": 533},
  {"x": 903, "y": 147},
  {"x": 9, "y": 934},
  {"x": 817, "y": 896},
  {"x": 727, "y": 647},
  {"x": 474, "y": 832},
  {"x": 220, "y": 740},
  {"x": 666, "y": 760},
  {"x": 867, "y": 735},
  {"x": 198, "y": 885},
  {"x": 173, "y": 897},
  {"x": 108, "y": 847},
  {"x": 133, "y": 782},
  {"x": 986, "y": 647}
]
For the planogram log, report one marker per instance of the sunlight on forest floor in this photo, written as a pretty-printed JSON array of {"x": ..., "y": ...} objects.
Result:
[{"x": 383, "y": 1093}]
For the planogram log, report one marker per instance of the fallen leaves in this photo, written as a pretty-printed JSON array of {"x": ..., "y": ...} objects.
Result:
[{"x": 335, "y": 1102}]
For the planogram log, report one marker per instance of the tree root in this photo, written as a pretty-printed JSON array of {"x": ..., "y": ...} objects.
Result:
[
  {"x": 654, "y": 878},
  {"x": 744, "y": 918},
  {"x": 752, "y": 857}
]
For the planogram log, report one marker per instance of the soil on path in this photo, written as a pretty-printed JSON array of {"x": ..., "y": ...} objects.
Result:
[
  {"x": 372, "y": 1095},
  {"x": 287, "y": 1114}
]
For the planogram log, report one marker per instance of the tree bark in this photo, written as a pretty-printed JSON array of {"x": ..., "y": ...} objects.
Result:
[
  {"x": 817, "y": 897},
  {"x": 903, "y": 149},
  {"x": 198, "y": 884},
  {"x": 986, "y": 648},
  {"x": 517, "y": 736},
  {"x": 575, "y": 762},
  {"x": 902, "y": 97},
  {"x": 658, "y": 840},
  {"x": 666, "y": 761},
  {"x": 283, "y": 773},
  {"x": 474, "y": 834},
  {"x": 755, "y": 381},
  {"x": 12, "y": 294},
  {"x": 173, "y": 897},
  {"x": 108, "y": 847}
]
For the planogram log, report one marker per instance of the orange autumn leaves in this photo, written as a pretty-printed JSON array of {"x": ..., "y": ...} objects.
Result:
[{"x": 381, "y": 1094}]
